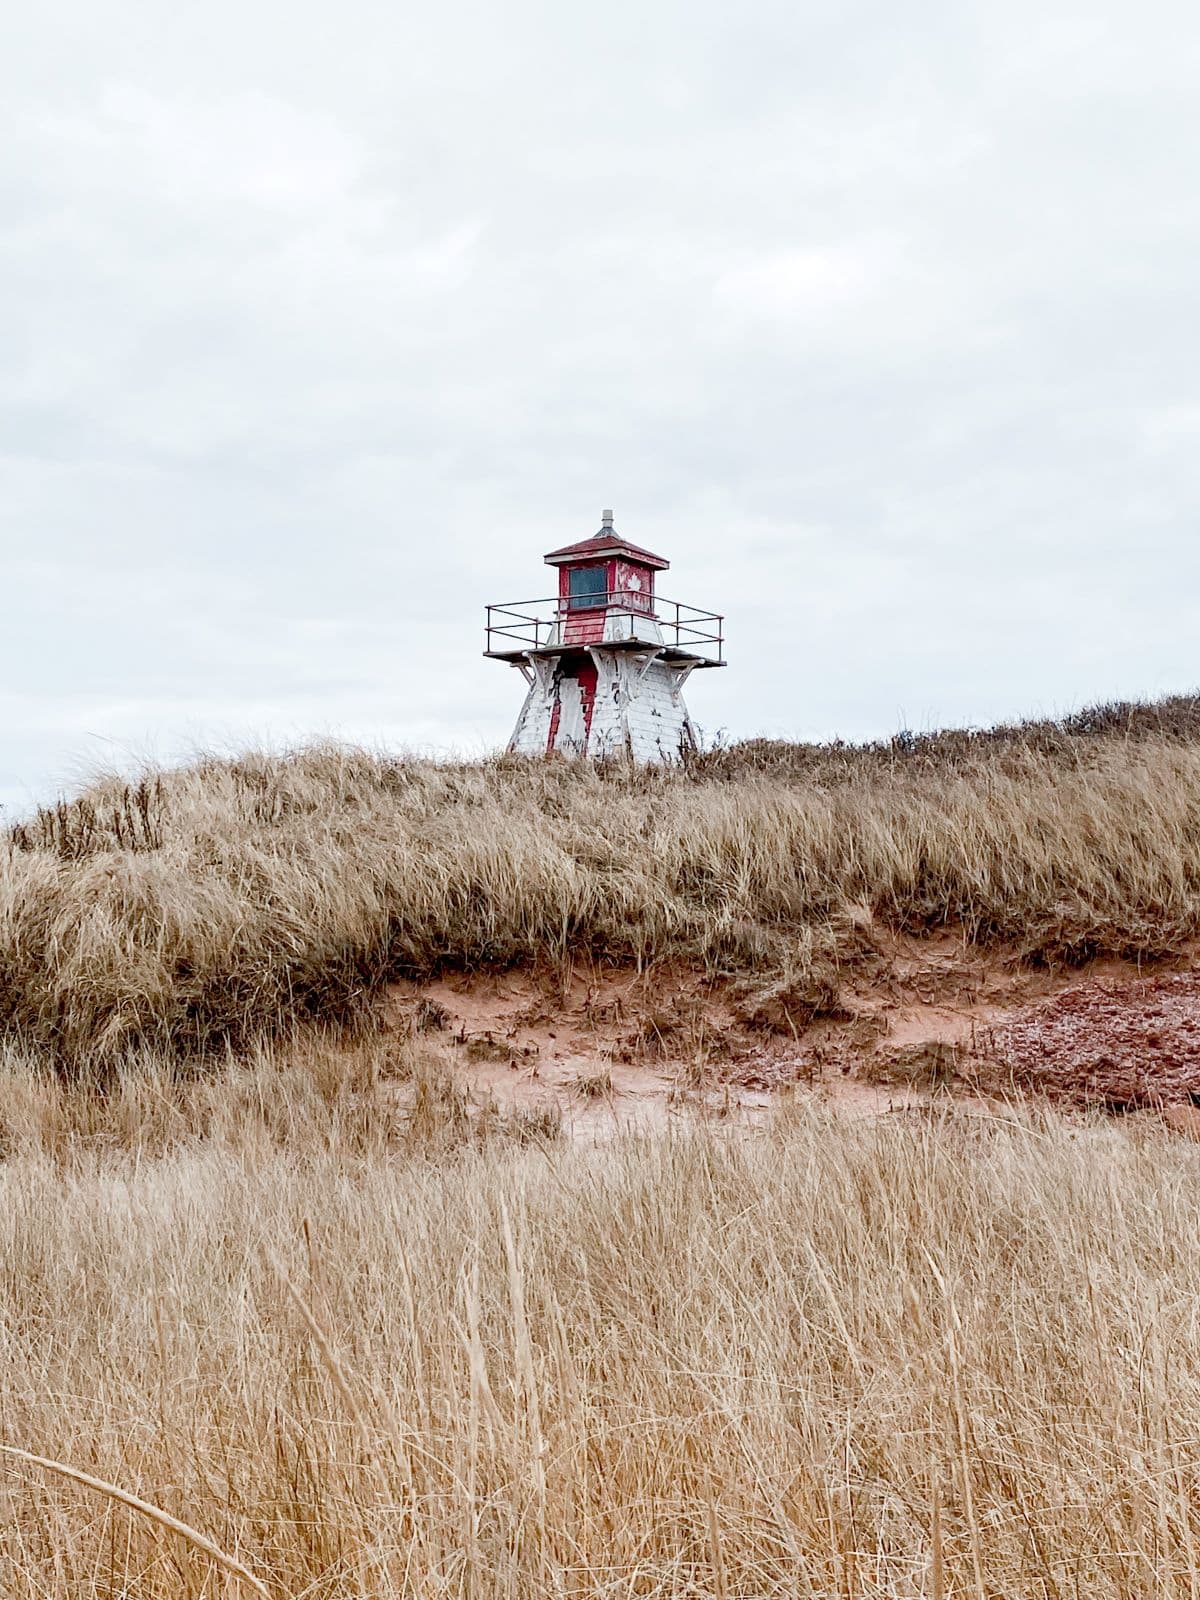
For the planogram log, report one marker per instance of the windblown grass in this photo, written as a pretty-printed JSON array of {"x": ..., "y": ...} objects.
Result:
[
  {"x": 871, "y": 1359},
  {"x": 208, "y": 906}
]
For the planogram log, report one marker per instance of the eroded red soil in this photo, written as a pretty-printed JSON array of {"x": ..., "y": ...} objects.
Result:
[
  {"x": 914, "y": 1018},
  {"x": 1120, "y": 1043}
]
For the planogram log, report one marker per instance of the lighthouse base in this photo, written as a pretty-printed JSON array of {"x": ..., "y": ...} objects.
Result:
[{"x": 602, "y": 703}]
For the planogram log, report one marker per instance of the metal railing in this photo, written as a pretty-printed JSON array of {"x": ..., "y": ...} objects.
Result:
[{"x": 521, "y": 625}]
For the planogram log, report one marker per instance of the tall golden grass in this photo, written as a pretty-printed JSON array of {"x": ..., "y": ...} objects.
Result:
[
  {"x": 249, "y": 1324},
  {"x": 207, "y": 906}
]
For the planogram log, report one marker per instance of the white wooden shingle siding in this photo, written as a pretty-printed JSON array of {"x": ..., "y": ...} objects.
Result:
[{"x": 638, "y": 709}]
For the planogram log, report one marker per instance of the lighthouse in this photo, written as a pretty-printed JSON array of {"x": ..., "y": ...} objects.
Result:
[{"x": 606, "y": 658}]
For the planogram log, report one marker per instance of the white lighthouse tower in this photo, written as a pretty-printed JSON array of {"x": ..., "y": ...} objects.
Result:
[{"x": 606, "y": 658}]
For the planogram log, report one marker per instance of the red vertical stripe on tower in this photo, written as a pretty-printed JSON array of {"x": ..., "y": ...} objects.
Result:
[{"x": 588, "y": 677}]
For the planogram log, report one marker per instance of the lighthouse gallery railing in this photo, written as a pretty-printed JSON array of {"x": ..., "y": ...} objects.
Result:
[{"x": 521, "y": 625}]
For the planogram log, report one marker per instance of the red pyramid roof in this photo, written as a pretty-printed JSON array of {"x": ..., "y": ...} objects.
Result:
[{"x": 605, "y": 543}]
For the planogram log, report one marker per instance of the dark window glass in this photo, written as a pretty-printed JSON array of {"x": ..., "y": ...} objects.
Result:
[{"x": 586, "y": 587}]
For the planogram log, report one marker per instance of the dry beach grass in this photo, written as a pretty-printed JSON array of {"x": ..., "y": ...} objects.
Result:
[
  {"x": 281, "y": 1312},
  {"x": 212, "y": 905},
  {"x": 370, "y": 1358}
]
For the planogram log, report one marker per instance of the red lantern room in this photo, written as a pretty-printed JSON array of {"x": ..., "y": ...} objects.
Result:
[{"x": 600, "y": 575}]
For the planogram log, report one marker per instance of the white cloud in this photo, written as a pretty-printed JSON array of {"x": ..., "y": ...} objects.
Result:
[
  {"x": 1174, "y": 427},
  {"x": 317, "y": 328},
  {"x": 804, "y": 284}
]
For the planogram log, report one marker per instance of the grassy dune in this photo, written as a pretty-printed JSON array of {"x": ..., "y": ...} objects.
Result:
[
  {"x": 225, "y": 901},
  {"x": 297, "y": 1325},
  {"x": 861, "y": 1359}
]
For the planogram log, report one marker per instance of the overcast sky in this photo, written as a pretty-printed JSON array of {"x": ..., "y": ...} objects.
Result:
[{"x": 320, "y": 324}]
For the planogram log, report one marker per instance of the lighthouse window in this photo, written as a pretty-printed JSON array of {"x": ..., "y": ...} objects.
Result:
[{"x": 587, "y": 586}]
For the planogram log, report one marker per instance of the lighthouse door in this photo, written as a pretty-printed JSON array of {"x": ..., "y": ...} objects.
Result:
[{"x": 570, "y": 735}]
